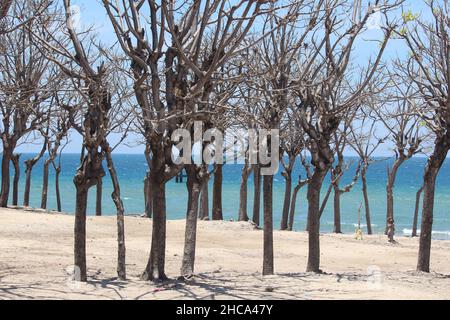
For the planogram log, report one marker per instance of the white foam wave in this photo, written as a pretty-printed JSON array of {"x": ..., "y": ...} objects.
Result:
[{"x": 408, "y": 232}]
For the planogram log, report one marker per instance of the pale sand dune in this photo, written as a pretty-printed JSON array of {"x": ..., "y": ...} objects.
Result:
[{"x": 36, "y": 249}]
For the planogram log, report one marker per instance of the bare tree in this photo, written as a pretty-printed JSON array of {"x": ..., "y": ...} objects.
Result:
[
  {"x": 427, "y": 70},
  {"x": 324, "y": 99},
  {"x": 97, "y": 113},
  {"x": 172, "y": 57},
  {"x": 55, "y": 144},
  {"x": 301, "y": 183},
  {"x": 30, "y": 163},
  {"x": 273, "y": 64},
  {"x": 26, "y": 83},
  {"x": 400, "y": 120},
  {"x": 337, "y": 172},
  {"x": 292, "y": 144},
  {"x": 364, "y": 141}
]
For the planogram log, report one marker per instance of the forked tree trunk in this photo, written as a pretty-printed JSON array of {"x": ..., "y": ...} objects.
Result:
[
  {"x": 416, "y": 212},
  {"x": 16, "y": 163},
  {"x": 98, "y": 198},
  {"x": 6, "y": 159},
  {"x": 87, "y": 175},
  {"x": 287, "y": 199},
  {"x": 268, "y": 267},
  {"x": 80, "y": 231},
  {"x": 155, "y": 269},
  {"x": 121, "y": 250},
  {"x": 193, "y": 185},
  {"x": 314, "y": 220},
  {"x": 57, "y": 191},
  {"x": 366, "y": 199},
  {"x": 257, "y": 194},
  {"x": 203, "y": 213},
  {"x": 45, "y": 184},
  {"x": 29, "y": 164},
  {"x": 434, "y": 165},
  {"x": 217, "y": 213},
  {"x": 243, "y": 216}
]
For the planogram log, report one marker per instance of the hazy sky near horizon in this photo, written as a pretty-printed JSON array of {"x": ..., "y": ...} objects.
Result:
[{"x": 93, "y": 13}]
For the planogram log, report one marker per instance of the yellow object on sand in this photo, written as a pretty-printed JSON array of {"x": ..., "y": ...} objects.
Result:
[{"x": 358, "y": 234}]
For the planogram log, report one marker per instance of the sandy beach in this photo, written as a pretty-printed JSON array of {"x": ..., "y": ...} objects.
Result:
[{"x": 36, "y": 252}]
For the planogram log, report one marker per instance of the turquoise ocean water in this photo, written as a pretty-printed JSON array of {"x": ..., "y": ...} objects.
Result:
[{"x": 131, "y": 169}]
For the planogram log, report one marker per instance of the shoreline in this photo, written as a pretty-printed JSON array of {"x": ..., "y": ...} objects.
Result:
[
  {"x": 36, "y": 251},
  {"x": 140, "y": 215}
]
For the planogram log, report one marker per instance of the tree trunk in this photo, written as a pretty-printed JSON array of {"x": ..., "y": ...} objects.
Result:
[
  {"x": 268, "y": 268},
  {"x": 98, "y": 198},
  {"x": 243, "y": 195},
  {"x": 80, "y": 231},
  {"x": 366, "y": 199},
  {"x": 314, "y": 188},
  {"x": 217, "y": 213},
  {"x": 193, "y": 184},
  {"x": 156, "y": 262},
  {"x": 292, "y": 209},
  {"x": 87, "y": 176},
  {"x": 434, "y": 165},
  {"x": 287, "y": 200},
  {"x": 6, "y": 159},
  {"x": 16, "y": 162},
  {"x": 58, "y": 194},
  {"x": 148, "y": 199},
  {"x": 26, "y": 195},
  {"x": 29, "y": 164},
  {"x": 45, "y": 184},
  {"x": 204, "y": 202},
  {"x": 121, "y": 250},
  {"x": 337, "y": 210},
  {"x": 392, "y": 174},
  {"x": 257, "y": 194},
  {"x": 325, "y": 200},
  {"x": 416, "y": 212}
]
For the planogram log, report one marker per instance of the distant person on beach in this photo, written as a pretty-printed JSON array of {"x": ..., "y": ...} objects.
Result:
[{"x": 391, "y": 230}]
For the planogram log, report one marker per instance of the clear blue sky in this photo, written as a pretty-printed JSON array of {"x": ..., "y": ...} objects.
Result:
[{"x": 93, "y": 13}]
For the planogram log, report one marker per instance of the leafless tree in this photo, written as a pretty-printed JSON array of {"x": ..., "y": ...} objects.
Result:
[
  {"x": 55, "y": 144},
  {"x": 427, "y": 70},
  {"x": 26, "y": 83},
  {"x": 337, "y": 172},
  {"x": 324, "y": 98},
  {"x": 364, "y": 140},
  {"x": 98, "y": 111},
  {"x": 292, "y": 144},
  {"x": 400, "y": 119},
  {"x": 300, "y": 184},
  {"x": 30, "y": 163},
  {"x": 274, "y": 68},
  {"x": 165, "y": 50}
]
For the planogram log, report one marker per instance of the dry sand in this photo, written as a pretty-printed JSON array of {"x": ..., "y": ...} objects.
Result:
[{"x": 36, "y": 250}]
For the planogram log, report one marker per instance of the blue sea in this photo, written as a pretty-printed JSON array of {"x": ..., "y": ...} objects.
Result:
[{"x": 131, "y": 169}]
